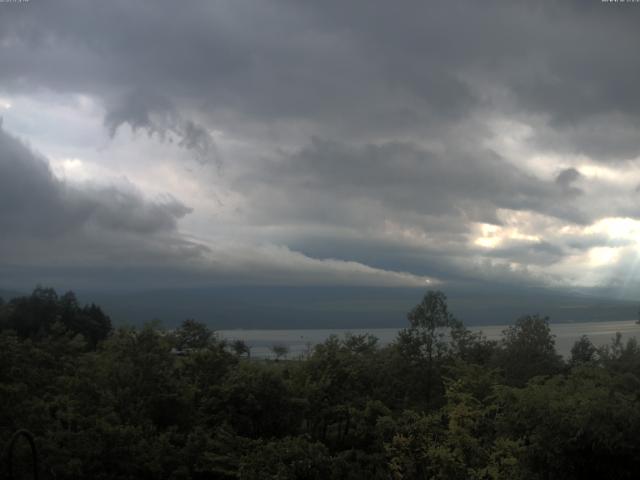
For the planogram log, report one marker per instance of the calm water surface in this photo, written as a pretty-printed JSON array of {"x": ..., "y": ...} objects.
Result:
[{"x": 301, "y": 341}]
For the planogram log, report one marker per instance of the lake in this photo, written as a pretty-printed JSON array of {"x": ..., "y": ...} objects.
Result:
[{"x": 301, "y": 341}]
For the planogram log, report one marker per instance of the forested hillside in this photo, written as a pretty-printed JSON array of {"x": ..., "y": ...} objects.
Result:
[{"x": 438, "y": 403}]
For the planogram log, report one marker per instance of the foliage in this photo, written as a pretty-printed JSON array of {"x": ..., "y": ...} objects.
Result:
[
  {"x": 438, "y": 403},
  {"x": 192, "y": 335},
  {"x": 528, "y": 350},
  {"x": 291, "y": 458},
  {"x": 280, "y": 351},
  {"x": 241, "y": 348},
  {"x": 35, "y": 316},
  {"x": 583, "y": 351}
]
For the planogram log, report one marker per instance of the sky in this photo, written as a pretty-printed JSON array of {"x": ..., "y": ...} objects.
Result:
[{"x": 322, "y": 143}]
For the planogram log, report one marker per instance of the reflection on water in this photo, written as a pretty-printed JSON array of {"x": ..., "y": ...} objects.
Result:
[{"x": 301, "y": 341}]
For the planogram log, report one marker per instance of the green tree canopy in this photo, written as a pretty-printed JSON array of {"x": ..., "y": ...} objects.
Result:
[{"x": 528, "y": 349}]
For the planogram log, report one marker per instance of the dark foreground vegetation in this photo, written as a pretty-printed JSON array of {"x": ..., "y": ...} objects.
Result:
[{"x": 438, "y": 403}]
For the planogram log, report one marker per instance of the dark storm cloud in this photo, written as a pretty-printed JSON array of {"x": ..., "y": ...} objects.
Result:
[
  {"x": 138, "y": 109},
  {"x": 353, "y": 190},
  {"x": 406, "y": 178},
  {"x": 37, "y": 206},
  {"x": 540, "y": 253},
  {"x": 398, "y": 97},
  {"x": 157, "y": 115},
  {"x": 566, "y": 179},
  {"x": 361, "y": 68},
  {"x": 113, "y": 235}
]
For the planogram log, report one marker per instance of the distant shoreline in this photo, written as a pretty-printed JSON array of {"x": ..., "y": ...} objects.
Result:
[{"x": 298, "y": 340}]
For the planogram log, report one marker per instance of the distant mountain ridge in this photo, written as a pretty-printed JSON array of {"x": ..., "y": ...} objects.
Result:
[
  {"x": 352, "y": 307},
  {"x": 9, "y": 294}
]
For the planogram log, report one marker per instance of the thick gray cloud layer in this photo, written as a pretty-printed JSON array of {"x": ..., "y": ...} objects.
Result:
[
  {"x": 422, "y": 62},
  {"x": 35, "y": 205},
  {"x": 80, "y": 227},
  {"x": 446, "y": 139},
  {"x": 395, "y": 67},
  {"x": 402, "y": 176}
]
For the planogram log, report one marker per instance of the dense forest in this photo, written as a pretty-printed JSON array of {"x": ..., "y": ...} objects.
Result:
[{"x": 439, "y": 402}]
